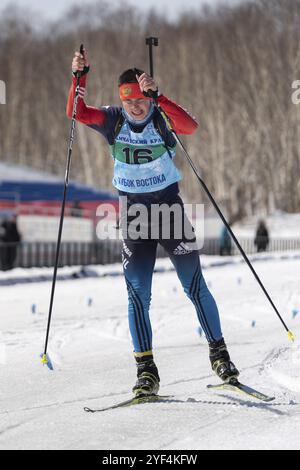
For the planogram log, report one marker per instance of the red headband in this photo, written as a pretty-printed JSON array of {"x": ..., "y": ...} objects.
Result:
[{"x": 131, "y": 91}]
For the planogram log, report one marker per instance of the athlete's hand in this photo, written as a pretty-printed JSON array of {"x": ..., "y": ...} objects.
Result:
[
  {"x": 80, "y": 62},
  {"x": 146, "y": 83}
]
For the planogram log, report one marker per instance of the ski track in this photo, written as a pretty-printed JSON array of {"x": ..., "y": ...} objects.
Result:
[{"x": 91, "y": 350}]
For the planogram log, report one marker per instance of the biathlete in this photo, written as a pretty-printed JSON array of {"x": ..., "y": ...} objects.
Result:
[{"x": 143, "y": 150}]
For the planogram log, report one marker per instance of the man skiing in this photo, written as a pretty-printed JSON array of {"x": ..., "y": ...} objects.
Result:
[{"x": 143, "y": 149}]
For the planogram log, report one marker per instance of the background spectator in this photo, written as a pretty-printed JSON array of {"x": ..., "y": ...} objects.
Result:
[
  {"x": 10, "y": 238},
  {"x": 262, "y": 237},
  {"x": 225, "y": 242}
]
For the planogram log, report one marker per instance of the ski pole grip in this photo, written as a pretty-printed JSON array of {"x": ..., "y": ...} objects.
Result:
[
  {"x": 151, "y": 94},
  {"x": 81, "y": 50},
  {"x": 150, "y": 42}
]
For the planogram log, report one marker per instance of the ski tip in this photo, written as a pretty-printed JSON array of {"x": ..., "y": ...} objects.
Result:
[
  {"x": 88, "y": 410},
  {"x": 46, "y": 361},
  {"x": 291, "y": 336},
  {"x": 269, "y": 399},
  {"x": 241, "y": 388}
]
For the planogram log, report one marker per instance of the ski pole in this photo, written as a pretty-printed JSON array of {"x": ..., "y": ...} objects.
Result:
[
  {"x": 149, "y": 43},
  {"x": 45, "y": 357}
]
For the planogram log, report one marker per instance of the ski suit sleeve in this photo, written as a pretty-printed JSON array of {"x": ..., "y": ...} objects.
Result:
[
  {"x": 85, "y": 114},
  {"x": 181, "y": 121}
]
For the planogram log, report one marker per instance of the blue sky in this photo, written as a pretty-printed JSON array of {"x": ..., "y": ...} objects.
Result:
[{"x": 54, "y": 9}]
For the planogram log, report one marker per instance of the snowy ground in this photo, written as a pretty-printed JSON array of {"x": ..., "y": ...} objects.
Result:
[{"x": 94, "y": 367}]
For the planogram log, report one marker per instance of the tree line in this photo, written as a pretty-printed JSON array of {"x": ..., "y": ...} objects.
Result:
[{"x": 232, "y": 68}]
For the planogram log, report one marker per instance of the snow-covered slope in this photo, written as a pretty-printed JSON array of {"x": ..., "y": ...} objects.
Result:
[{"x": 92, "y": 355}]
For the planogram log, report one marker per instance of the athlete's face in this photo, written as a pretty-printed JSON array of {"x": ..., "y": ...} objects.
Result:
[{"x": 137, "y": 108}]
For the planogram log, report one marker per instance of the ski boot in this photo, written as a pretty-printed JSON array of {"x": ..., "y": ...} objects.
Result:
[
  {"x": 147, "y": 374},
  {"x": 221, "y": 363}
]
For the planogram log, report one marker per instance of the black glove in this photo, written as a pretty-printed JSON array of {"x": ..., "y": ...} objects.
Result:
[
  {"x": 151, "y": 94},
  {"x": 82, "y": 72}
]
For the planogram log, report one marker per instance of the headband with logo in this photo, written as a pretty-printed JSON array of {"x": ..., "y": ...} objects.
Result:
[{"x": 131, "y": 91}]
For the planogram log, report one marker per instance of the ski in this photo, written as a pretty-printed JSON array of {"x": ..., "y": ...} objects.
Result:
[
  {"x": 236, "y": 386},
  {"x": 131, "y": 402}
]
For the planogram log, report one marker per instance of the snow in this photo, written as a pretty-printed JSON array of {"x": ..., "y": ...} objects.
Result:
[{"x": 92, "y": 355}]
